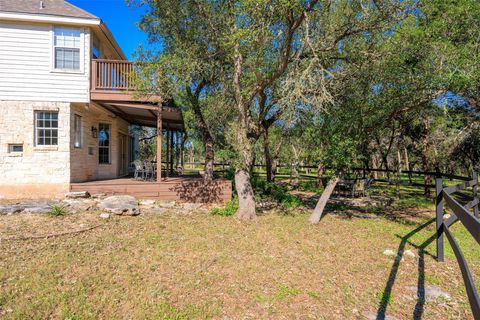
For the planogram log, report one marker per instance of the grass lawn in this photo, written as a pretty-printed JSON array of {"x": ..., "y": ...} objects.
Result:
[{"x": 200, "y": 266}]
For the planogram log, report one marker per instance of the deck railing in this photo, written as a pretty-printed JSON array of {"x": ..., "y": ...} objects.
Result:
[
  {"x": 113, "y": 75},
  {"x": 471, "y": 223}
]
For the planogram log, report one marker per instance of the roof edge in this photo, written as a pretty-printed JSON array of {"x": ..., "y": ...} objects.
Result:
[
  {"x": 78, "y": 8},
  {"x": 109, "y": 35},
  {"x": 48, "y": 18}
]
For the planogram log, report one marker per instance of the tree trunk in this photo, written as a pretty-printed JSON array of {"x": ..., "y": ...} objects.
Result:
[
  {"x": 320, "y": 171},
  {"x": 252, "y": 164},
  {"x": 322, "y": 202},
  {"x": 407, "y": 162},
  {"x": 274, "y": 169},
  {"x": 246, "y": 198},
  {"x": 203, "y": 128},
  {"x": 425, "y": 161},
  {"x": 268, "y": 158},
  {"x": 209, "y": 158},
  {"x": 399, "y": 173},
  {"x": 375, "y": 166}
]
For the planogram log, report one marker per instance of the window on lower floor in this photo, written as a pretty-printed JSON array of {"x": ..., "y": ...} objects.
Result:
[
  {"x": 103, "y": 143},
  {"x": 77, "y": 128},
  {"x": 46, "y": 128},
  {"x": 15, "y": 148}
]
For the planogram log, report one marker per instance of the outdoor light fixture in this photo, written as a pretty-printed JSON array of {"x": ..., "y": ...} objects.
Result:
[{"x": 94, "y": 132}]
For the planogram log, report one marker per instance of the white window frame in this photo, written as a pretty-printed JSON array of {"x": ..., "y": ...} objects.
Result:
[
  {"x": 82, "y": 50},
  {"x": 36, "y": 128},
  {"x": 77, "y": 129}
]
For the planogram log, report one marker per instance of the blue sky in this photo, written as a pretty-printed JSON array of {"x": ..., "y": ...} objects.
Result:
[{"x": 120, "y": 19}]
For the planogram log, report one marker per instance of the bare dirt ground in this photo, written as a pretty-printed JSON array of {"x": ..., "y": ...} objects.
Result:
[{"x": 199, "y": 266}]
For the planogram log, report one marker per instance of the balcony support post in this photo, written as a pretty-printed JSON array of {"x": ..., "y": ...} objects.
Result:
[
  {"x": 167, "y": 166},
  {"x": 159, "y": 143}
]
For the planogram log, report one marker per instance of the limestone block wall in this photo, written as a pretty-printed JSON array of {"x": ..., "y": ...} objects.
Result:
[
  {"x": 84, "y": 162},
  {"x": 38, "y": 170}
]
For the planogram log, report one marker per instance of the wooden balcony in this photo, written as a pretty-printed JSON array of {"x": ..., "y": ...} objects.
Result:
[{"x": 115, "y": 81}]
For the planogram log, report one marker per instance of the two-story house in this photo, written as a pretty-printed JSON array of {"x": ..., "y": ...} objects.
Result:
[{"x": 66, "y": 100}]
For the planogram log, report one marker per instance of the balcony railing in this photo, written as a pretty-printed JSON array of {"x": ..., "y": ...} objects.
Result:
[{"x": 114, "y": 80}]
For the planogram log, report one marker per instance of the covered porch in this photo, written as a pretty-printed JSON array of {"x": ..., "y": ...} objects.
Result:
[{"x": 113, "y": 88}]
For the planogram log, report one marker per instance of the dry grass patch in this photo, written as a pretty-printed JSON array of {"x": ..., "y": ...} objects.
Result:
[{"x": 202, "y": 266}]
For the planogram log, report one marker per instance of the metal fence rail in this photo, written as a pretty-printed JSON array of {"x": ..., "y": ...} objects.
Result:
[{"x": 470, "y": 221}]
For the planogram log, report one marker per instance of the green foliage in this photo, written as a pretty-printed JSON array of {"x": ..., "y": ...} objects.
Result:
[
  {"x": 228, "y": 210},
  {"x": 287, "y": 200},
  {"x": 56, "y": 210},
  {"x": 284, "y": 291},
  {"x": 385, "y": 298},
  {"x": 310, "y": 186}
]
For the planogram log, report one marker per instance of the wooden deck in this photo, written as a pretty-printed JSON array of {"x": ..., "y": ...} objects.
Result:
[{"x": 178, "y": 188}]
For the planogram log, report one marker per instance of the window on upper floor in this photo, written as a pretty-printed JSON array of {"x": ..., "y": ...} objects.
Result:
[{"x": 67, "y": 45}]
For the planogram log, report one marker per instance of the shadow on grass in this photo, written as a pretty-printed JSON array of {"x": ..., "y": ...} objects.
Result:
[{"x": 387, "y": 292}]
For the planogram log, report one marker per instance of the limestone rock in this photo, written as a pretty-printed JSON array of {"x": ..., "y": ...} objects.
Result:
[
  {"x": 157, "y": 210},
  {"x": 409, "y": 254},
  {"x": 11, "y": 209},
  {"x": 191, "y": 206},
  {"x": 37, "y": 208},
  {"x": 389, "y": 253},
  {"x": 99, "y": 195},
  {"x": 29, "y": 208},
  {"x": 105, "y": 215},
  {"x": 79, "y": 205},
  {"x": 431, "y": 292},
  {"x": 167, "y": 204},
  {"x": 147, "y": 202},
  {"x": 77, "y": 195},
  {"x": 434, "y": 292},
  {"x": 120, "y": 205}
]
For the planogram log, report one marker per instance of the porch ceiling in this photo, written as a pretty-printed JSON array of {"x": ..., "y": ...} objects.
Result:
[{"x": 145, "y": 114}]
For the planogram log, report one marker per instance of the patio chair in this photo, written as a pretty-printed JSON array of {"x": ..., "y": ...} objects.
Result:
[
  {"x": 179, "y": 170},
  {"x": 149, "y": 170},
  {"x": 139, "y": 170}
]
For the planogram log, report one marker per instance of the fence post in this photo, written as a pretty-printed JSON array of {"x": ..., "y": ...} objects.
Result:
[
  {"x": 439, "y": 220},
  {"x": 475, "y": 191}
]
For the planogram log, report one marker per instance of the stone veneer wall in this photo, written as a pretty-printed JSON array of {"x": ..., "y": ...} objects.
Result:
[
  {"x": 38, "y": 171},
  {"x": 47, "y": 171},
  {"x": 85, "y": 166}
]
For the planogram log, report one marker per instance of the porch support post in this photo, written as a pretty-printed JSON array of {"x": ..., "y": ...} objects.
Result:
[
  {"x": 167, "y": 166},
  {"x": 159, "y": 143},
  {"x": 172, "y": 151}
]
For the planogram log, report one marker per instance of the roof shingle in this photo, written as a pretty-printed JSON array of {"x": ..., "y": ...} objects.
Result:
[{"x": 50, "y": 7}]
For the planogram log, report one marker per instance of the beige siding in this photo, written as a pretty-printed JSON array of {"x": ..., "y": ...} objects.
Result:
[{"x": 26, "y": 66}]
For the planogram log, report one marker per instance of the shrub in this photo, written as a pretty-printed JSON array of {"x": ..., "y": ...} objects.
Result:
[
  {"x": 56, "y": 210},
  {"x": 287, "y": 200},
  {"x": 290, "y": 202},
  {"x": 228, "y": 210}
]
